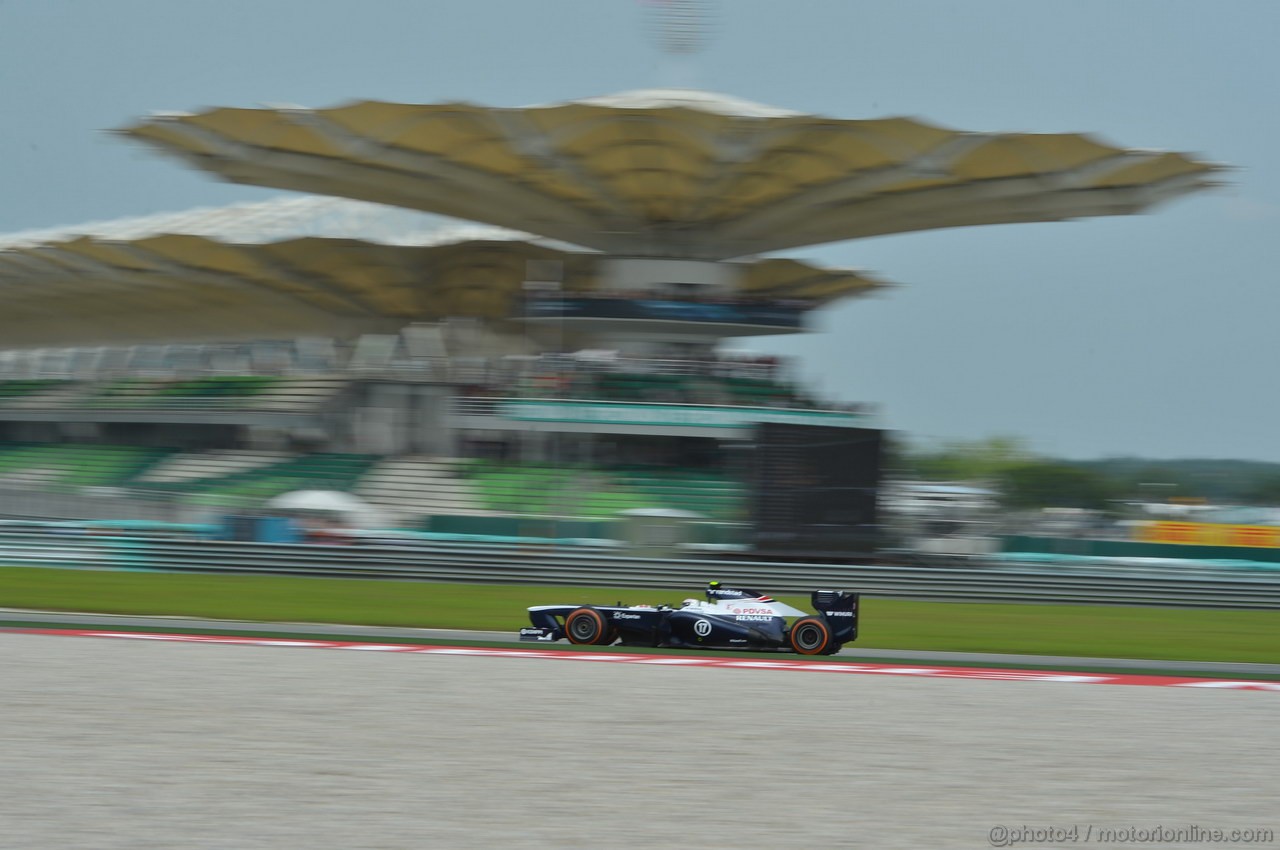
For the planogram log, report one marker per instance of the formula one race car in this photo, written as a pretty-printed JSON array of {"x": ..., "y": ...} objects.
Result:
[{"x": 730, "y": 618}]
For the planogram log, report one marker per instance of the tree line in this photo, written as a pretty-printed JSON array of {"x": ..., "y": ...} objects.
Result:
[{"x": 1026, "y": 480}]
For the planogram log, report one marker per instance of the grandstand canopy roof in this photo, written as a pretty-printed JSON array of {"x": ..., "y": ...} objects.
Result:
[
  {"x": 674, "y": 172},
  {"x": 277, "y": 268}
]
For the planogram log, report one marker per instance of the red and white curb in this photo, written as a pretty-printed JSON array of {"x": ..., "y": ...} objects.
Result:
[{"x": 810, "y": 666}]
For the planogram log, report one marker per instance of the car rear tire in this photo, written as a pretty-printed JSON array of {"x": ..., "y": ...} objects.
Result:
[
  {"x": 587, "y": 627},
  {"x": 810, "y": 636}
]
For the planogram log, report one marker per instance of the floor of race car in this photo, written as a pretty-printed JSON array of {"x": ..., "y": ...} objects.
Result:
[{"x": 121, "y": 744}]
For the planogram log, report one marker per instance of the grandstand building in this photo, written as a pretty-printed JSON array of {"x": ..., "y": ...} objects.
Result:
[{"x": 484, "y": 311}]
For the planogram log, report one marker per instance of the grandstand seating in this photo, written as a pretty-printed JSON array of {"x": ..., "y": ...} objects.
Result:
[
  {"x": 408, "y": 488},
  {"x": 528, "y": 489},
  {"x": 263, "y": 393},
  {"x": 687, "y": 389},
  {"x": 598, "y": 493},
  {"x": 232, "y": 478},
  {"x": 420, "y": 486},
  {"x": 222, "y": 392},
  {"x": 251, "y": 483},
  {"x": 70, "y": 467},
  {"x": 34, "y": 394},
  {"x": 629, "y": 386},
  {"x": 196, "y": 392},
  {"x": 712, "y": 495},
  {"x": 19, "y": 388},
  {"x": 195, "y": 467},
  {"x": 290, "y": 395},
  {"x": 754, "y": 391}
]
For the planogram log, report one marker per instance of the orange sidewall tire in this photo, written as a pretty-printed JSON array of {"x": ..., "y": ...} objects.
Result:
[
  {"x": 820, "y": 648},
  {"x": 602, "y": 629}
]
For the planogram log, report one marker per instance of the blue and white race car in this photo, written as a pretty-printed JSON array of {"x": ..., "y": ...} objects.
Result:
[{"x": 729, "y": 618}]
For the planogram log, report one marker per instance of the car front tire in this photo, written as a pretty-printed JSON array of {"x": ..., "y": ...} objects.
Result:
[{"x": 587, "y": 627}]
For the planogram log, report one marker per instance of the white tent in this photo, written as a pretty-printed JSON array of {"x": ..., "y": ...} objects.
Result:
[{"x": 329, "y": 503}]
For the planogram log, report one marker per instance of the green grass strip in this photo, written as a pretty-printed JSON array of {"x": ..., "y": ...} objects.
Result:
[{"x": 1073, "y": 630}]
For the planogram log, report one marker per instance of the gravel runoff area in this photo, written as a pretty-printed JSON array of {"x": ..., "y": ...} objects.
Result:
[{"x": 121, "y": 744}]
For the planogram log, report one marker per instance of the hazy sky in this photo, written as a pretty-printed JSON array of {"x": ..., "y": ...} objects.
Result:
[{"x": 1152, "y": 335}]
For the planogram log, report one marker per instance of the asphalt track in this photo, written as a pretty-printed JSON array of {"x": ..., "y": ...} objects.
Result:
[
  {"x": 54, "y": 619},
  {"x": 142, "y": 744}
]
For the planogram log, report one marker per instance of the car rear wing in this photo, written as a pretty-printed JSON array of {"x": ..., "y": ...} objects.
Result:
[{"x": 840, "y": 609}]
